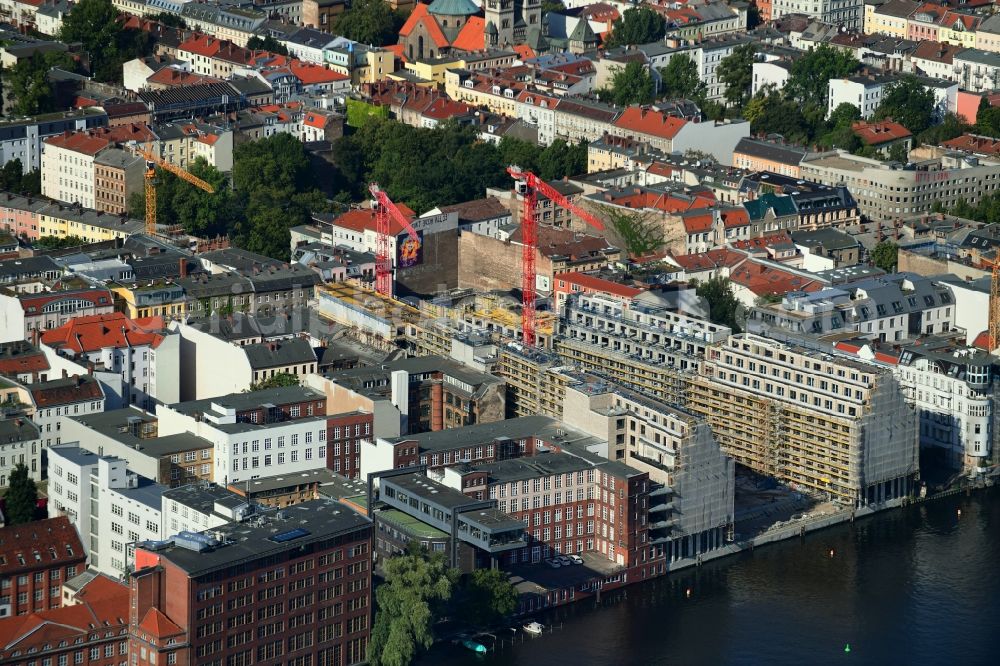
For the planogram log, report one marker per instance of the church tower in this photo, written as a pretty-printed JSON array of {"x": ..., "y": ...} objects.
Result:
[{"x": 501, "y": 14}]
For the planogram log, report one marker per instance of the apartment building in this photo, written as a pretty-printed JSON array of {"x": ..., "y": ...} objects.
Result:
[
  {"x": 89, "y": 601},
  {"x": 243, "y": 449},
  {"x": 846, "y": 13},
  {"x": 118, "y": 174},
  {"x": 772, "y": 155},
  {"x": 300, "y": 577},
  {"x": 20, "y": 443},
  {"x": 887, "y": 191},
  {"x": 824, "y": 423},
  {"x": 67, "y": 166},
  {"x": 21, "y": 139},
  {"x": 642, "y": 345},
  {"x": 145, "y": 356},
  {"x": 888, "y": 308},
  {"x": 55, "y": 398},
  {"x": 127, "y": 507},
  {"x": 865, "y": 92},
  {"x": 565, "y": 504},
  {"x": 132, "y": 435},
  {"x": 536, "y": 383},
  {"x": 954, "y": 390},
  {"x": 35, "y": 560}
]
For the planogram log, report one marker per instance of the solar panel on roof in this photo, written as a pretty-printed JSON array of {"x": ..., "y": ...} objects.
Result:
[{"x": 290, "y": 535}]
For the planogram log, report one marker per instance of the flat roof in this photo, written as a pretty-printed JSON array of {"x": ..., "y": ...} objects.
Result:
[
  {"x": 202, "y": 497},
  {"x": 294, "y": 526},
  {"x": 114, "y": 424},
  {"x": 322, "y": 476},
  {"x": 419, "y": 485},
  {"x": 281, "y": 395},
  {"x": 406, "y": 522}
]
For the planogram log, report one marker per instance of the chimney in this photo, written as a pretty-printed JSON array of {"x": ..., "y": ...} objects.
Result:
[
  {"x": 183, "y": 267},
  {"x": 65, "y": 373}
]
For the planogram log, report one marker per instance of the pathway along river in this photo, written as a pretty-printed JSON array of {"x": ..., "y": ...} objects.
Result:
[{"x": 919, "y": 585}]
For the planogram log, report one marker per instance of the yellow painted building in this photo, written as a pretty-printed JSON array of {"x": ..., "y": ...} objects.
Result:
[
  {"x": 163, "y": 299},
  {"x": 434, "y": 69},
  {"x": 90, "y": 225}
]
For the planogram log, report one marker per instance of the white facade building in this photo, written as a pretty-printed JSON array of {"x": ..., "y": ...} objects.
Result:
[
  {"x": 250, "y": 450},
  {"x": 773, "y": 74},
  {"x": 127, "y": 507}
]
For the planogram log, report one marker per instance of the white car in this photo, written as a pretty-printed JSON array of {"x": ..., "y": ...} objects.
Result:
[
  {"x": 553, "y": 563},
  {"x": 563, "y": 560},
  {"x": 576, "y": 559}
]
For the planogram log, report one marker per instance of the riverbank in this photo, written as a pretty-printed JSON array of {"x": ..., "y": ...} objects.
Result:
[{"x": 916, "y": 585}]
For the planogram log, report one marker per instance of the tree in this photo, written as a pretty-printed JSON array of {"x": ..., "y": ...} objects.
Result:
[
  {"x": 841, "y": 135},
  {"x": 898, "y": 153},
  {"x": 521, "y": 153},
  {"x": 275, "y": 381},
  {"x": 753, "y": 15},
  {"x": 988, "y": 121},
  {"x": 489, "y": 597},
  {"x": 562, "y": 159},
  {"x": 21, "y": 498},
  {"x": 94, "y": 23},
  {"x": 736, "y": 71},
  {"x": 909, "y": 103},
  {"x": 775, "y": 114},
  {"x": 267, "y": 43},
  {"x": 640, "y": 25},
  {"x": 639, "y": 234},
  {"x": 58, "y": 242},
  {"x": 12, "y": 178},
  {"x": 416, "y": 587},
  {"x": 810, "y": 75},
  {"x": 172, "y": 20},
  {"x": 723, "y": 308},
  {"x": 885, "y": 255},
  {"x": 680, "y": 78},
  {"x": 552, "y": 6},
  {"x": 369, "y": 22},
  {"x": 951, "y": 126},
  {"x": 632, "y": 84},
  {"x": 28, "y": 83}
]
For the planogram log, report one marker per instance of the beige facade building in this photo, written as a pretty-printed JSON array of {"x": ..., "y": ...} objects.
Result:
[
  {"x": 117, "y": 175},
  {"x": 823, "y": 423}
]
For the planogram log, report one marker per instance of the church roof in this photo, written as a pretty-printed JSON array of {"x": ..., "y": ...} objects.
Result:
[
  {"x": 453, "y": 8},
  {"x": 583, "y": 32}
]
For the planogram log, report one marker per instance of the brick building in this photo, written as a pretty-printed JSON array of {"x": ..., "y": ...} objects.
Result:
[
  {"x": 344, "y": 435},
  {"x": 294, "y": 587},
  {"x": 89, "y": 628},
  {"x": 35, "y": 560}
]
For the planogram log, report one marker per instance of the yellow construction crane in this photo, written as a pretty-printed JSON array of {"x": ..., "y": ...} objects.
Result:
[
  {"x": 153, "y": 161},
  {"x": 994, "y": 330}
]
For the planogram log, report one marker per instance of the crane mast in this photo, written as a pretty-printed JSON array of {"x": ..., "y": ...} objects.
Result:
[
  {"x": 529, "y": 186},
  {"x": 386, "y": 210}
]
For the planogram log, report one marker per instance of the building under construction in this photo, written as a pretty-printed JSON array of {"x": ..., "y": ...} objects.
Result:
[{"x": 824, "y": 423}]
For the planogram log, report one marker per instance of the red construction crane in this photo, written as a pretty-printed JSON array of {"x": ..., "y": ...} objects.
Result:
[
  {"x": 530, "y": 186},
  {"x": 385, "y": 209}
]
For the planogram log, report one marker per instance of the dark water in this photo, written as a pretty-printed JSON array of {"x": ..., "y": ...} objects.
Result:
[{"x": 916, "y": 586}]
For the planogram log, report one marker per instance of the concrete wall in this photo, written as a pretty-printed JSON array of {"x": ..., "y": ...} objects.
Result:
[
  {"x": 487, "y": 263},
  {"x": 439, "y": 269},
  {"x": 719, "y": 139},
  {"x": 11, "y": 319},
  {"x": 165, "y": 382},
  {"x": 339, "y": 400},
  {"x": 210, "y": 367}
]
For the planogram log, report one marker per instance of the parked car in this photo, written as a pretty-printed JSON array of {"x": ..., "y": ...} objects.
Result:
[
  {"x": 576, "y": 559},
  {"x": 552, "y": 563},
  {"x": 563, "y": 560}
]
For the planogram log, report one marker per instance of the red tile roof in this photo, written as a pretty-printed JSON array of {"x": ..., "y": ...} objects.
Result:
[
  {"x": 99, "y": 298},
  {"x": 443, "y": 109},
  {"x": 362, "y": 220},
  {"x": 66, "y": 391},
  {"x": 20, "y": 357},
  {"x": 705, "y": 261},
  {"x": 644, "y": 120},
  {"x": 594, "y": 283},
  {"x": 420, "y": 15},
  {"x": 80, "y": 142},
  {"x": 882, "y": 131},
  {"x": 982, "y": 341},
  {"x": 106, "y": 607},
  {"x": 698, "y": 222},
  {"x": 782, "y": 238},
  {"x": 156, "y": 624},
  {"x": 470, "y": 37},
  {"x": 168, "y": 76},
  {"x": 311, "y": 74},
  {"x": 765, "y": 280},
  {"x": 41, "y": 544},
  {"x": 973, "y": 143},
  {"x": 87, "y": 334},
  {"x": 735, "y": 217}
]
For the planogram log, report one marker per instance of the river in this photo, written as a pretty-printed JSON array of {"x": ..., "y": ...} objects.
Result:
[{"x": 919, "y": 585}]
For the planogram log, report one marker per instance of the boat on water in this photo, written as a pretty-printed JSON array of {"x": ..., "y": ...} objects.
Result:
[
  {"x": 475, "y": 646},
  {"x": 534, "y": 628}
]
